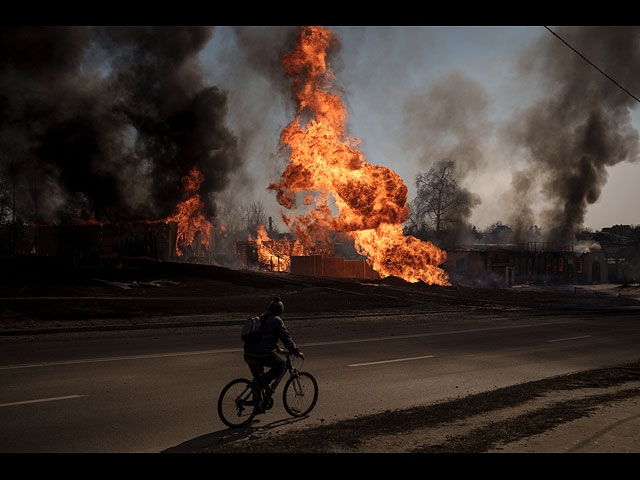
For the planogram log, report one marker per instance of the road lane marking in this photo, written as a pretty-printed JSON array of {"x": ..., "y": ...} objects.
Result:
[
  {"x": 432, "y": 334},
  {"x": 391, "y": 361},
  {"x": 569, "y": 338},
  {"x": 235, "y": 350},
  {"x": 115, "y": 359},
  {"x": 41, "y": 400}
]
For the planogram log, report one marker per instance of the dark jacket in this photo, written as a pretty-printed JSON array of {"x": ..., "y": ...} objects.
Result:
[{"x": 273, "y": 329}]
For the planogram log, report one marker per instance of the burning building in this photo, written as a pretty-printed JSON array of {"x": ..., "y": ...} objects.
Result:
[
  {"x": 185, "y": 236},
  {"x": 112, "y": 243},
  {"x": 137, "y": 140},
  {"x": 285, "y": 254},
  {"x": 269, "y": 254}
]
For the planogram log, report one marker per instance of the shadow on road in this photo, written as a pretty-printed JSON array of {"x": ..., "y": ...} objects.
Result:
[{"x": 230, "y": 435}]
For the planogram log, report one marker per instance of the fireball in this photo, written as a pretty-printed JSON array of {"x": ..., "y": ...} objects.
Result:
[{"x": 371, "y": 200}]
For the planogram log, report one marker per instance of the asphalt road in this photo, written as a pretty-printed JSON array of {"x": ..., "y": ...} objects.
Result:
[{"x": 156, "y": 390}]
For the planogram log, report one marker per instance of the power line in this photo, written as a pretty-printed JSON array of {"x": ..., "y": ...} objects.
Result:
[{"x": 593, "y": 65}]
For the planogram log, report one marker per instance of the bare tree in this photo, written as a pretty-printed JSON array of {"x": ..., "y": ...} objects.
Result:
[
  {"x": 228, "y": 212},
  {"x": 5, "y": 203},
  {"x": 239, "y": 218},
  {"x": 7, "y": 223},
  {"x": 441, "y": 205},
  {"x": 253, "y": 215},
  {"x": 417, "y": 225}
]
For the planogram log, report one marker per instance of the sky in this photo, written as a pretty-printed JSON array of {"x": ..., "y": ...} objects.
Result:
[
  {"x": 400, "y": 86},
  {"x": 113, "y": 118}
]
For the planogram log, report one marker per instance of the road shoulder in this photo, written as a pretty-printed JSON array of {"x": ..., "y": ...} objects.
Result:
[{"x": 587, "y": 412}]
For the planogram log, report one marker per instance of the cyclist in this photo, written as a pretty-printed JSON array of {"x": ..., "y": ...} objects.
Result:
[{"x": 262, "y": 353}]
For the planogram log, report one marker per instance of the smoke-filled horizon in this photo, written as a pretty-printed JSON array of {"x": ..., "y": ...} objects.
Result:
[
  {"x": 416, "y": 95},
  {"x": 581, "y": 126},
  {"x": 108, "y": 120}
]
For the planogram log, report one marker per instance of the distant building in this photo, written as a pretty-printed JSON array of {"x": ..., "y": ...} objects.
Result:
[{"x": 533, "y": 263}]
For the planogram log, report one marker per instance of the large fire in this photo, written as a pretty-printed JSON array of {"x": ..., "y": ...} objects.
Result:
[
  {"x": 192, "y": 225},
  {"x": 190, "y": 215},
  {"x": 370, "y": 199}
]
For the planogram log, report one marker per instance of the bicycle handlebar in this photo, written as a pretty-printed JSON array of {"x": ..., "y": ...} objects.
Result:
[{"x": 286, "y": 352}]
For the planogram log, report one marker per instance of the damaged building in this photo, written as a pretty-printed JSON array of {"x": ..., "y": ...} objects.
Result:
[
  {"x": 611, "y": 255},
  {"x": 530, "y": 263},
  {"x": 109, "y": 244}
]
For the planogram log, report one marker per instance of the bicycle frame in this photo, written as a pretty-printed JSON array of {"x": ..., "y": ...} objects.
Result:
[
  {"x": 288, "y": 368},
  {"x": 257, "y": 401},
  {"x": 243, "y": 398}
]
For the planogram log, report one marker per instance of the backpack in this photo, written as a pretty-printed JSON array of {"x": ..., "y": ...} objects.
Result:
[{"x": 251, "y": 330}]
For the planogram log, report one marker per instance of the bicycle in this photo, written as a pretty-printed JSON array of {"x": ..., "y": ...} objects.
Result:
[{"x": 241, "y": 399}]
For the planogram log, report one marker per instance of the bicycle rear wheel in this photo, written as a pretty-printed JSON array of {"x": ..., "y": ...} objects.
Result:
[
  {"x": 238, "y": 403},
  {"x": 300, "y": 394}
]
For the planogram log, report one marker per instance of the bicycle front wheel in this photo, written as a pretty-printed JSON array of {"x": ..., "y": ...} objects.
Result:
[
  {"x": 238, "y": 403},
  {"x": 300, "y": 394}
]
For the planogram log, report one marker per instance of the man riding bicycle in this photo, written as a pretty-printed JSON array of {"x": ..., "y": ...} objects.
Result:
[
  {"x": 262, "y": 353},
  {"x": 242, "y": 399}
]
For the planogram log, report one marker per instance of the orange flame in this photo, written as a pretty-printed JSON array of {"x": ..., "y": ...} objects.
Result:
[
  {"x": 275, "y": 254},
  {"x": 190, "y": 214},
  {"x": 371, "y": 200},
  {"x": 91, "y": 220}
]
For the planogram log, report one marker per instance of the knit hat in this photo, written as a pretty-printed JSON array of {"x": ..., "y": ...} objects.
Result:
[{"x": 276, "y": 306}]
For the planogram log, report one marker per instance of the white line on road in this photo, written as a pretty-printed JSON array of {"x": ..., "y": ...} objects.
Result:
[
  {"x": 40, "y": 400},
  {"x": 234, "y": 350},
  {"x": 114, "y": 359},
  {"x": 391, "y": 361},
  {"x": 569, "y": 338},
  {"x": 432, "y": 334}
]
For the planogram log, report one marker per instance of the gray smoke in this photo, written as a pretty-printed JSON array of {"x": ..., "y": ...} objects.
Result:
[
  {"x": 580, "y": 126},
  {"x": 259, "y": 58},
  {"x": 520, "y": 214},
  {"x": 261, "y": 50},
  {"x": 108, "y": 120},
  {"x": 260, "y": 106},
  {"x": 449, "y": 122}
]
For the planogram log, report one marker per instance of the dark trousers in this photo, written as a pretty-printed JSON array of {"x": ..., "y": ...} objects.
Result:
[{"x": 257, "y": 364}]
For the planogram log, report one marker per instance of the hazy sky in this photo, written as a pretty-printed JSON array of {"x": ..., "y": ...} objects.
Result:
[{"x": 411, "y": 94}]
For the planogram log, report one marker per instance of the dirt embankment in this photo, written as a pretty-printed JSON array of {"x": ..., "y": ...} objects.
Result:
[{"x": 42, "y": 295}]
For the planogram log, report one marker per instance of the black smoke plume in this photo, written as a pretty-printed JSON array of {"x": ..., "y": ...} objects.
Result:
[
  {"x": 107, "y": 120},
  {"x": 580, "y": 126}
]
